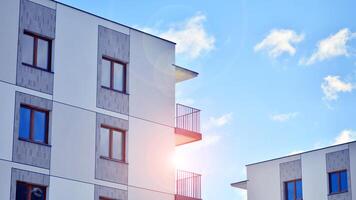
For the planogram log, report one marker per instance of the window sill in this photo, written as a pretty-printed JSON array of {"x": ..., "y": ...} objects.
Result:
[
  {"x": 35, "y": 67},
  {"x": 118, "y": 91},
  {"x": 113, "y": 160},
  {"x": 34, "y": 142},
  {"x": 335, "y": 193}
]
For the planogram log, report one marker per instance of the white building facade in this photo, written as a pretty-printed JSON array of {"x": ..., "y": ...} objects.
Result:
[
  {"x": 323, "y": 174},
  {"x": 88, "y": 108}
]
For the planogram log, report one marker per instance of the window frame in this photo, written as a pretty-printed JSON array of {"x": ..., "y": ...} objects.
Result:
[
  {"x": 338, "y": 173},
  {"x": 295, "y": 188},
  {"x": 123, "y": 145},
  {"x": 112, "y": 78},
  {"x": 30, "y": 186},
  {"x": 36, "y": 37},
  {"x": 32, "y": 115},
  {"x": 104, "y": 198}
]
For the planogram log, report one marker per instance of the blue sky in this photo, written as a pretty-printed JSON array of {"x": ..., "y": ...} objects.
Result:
[{"x": 276, "y": 77}]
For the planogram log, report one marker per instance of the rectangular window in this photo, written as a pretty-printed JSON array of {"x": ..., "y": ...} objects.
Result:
[
  {"x": 294, "y": 190},
  {"x": 26, "y": 191},
  {"x": 33, "y": 124},
  {"x": 37, "y": 51},
  {"x": 338, "y": 182},
  {"x": 112, "y": 143},
  {"x": 113, "y": 74}
]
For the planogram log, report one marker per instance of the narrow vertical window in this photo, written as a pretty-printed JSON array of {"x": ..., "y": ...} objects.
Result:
[
  {"x": 338, "y": 182},
  {"x": 37, "y": 51},
  {"x": 26, "y": 191},
  {"x": 33, "y": 124},
  {"x": 293, "y": 190},
  {"x": 113, "y": 75},
  {"x": 112, "y": 143}
]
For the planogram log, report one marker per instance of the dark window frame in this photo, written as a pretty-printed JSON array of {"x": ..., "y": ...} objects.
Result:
[
  {"x": 32, "y": 111},
  {"x": 338, "y": 172},
  {"x": 36, "y": 37},
  {"x": 105, "y": 198},
  {"x": 30, "y": 186},
  {"x": 123, "y": 145},
  {"x": 295, "y": 188},
  {"x": 112, "y": 78}
]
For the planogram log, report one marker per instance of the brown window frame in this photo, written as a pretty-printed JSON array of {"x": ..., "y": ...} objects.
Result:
[
  {"x": 295, "y": 188},
  {"x": 30, "y": 186},
  {"x": 123, "y": 145},
  {"x": 31, "y": 136},
  {"x": 35, "y": 50},
  {"x": 105, "y": 198},
  {"x": 338, "y": 172},
  {"x": 112, "y": 78}
]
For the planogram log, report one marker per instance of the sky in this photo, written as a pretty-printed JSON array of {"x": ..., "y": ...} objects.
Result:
[{"x": 275, "y": 77}]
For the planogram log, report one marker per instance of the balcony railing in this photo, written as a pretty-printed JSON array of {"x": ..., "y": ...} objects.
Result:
[
  {"x": 188, "y": 118},
  {"x": 188, "y": 186}
]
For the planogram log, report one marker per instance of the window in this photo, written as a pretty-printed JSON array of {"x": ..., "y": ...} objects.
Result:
[
  {"x": 338, "y": 182},
  {"x": 112, "y": 143},
  {"x": 33, "y": 124},
  {"x": 25, "y": 191},
  {"x": 37, "y": 51},
  {"x": 104, "y": 198},
  {"x": 113, "y": 75},
  {"x": 293, "y": 190}
]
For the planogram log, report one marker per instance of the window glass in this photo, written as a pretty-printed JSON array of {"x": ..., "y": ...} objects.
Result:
[
  {"x": 118, "y": 77},
  {"x": 27, "y": 51},
  {"x": 105, "y": 73},
  {"x": 334, "y": 184},
  {"x": 299, "y": 191},
  {"x": 104, "y": 142},
  {"x": 343, "y": 181},
  {"x": 42, "y": 54},
  {"x": 38, "y": 193},
  {"x": 21, "y": 191},
  {"x": 24, "y": 130},
  {"x": 39, "y": 126},
  {"x": 117, "y": 145},
  {"x": 290, "y": 191}
]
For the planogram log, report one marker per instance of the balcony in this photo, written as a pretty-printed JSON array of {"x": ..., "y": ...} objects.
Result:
[
  {"x": 188, "y": 186},
  {"x": 187, "y": 128}
]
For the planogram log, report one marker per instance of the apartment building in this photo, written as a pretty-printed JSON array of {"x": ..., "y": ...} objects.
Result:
[
  {"x": 88, "y": 108},
  {"x": 322, "y": 174}
]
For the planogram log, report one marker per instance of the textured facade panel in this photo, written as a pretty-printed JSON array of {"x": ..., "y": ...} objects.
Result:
[
  {"x": 28, "y": 177},
  {"x": 109, "y": 170},
  {"x": 115, "y": 45},
  {"x": 336, "y": 161},
  {"x": 40, "y": 20},
  {"x": 111, "y": 193},
  {"x": 38, "y": 155},
  {"x": 289, "y": 171}
]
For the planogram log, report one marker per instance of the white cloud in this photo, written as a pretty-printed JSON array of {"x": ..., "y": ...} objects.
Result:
[
  {"x": 283, "y": 117},
  {"x": 345, "y": 136},
  {"x": 217, "y": 121},
  {"x": 295, "y": 152},
  {"x": 332, "y": 85},
  {"x": 332, "y": 46},
  {"x": 191, "y": 36},
  {"x": 280, "y": 41}
]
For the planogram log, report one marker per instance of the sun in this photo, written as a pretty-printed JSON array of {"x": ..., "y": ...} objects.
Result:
[{"x": 179, "y": 160}]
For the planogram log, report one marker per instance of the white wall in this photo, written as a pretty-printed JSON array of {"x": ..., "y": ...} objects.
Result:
[
  {"x": 140, "y": 194},
  {"x": 7, "y": 107},
  {"x": 151, "y": 147},
  {"x": 62, "y": 189},
  {"x": 315, "y": 180},
  {"x": 5, "y": 180},
  {"x": 264, "y": 179},
  {"x": 9, "y": 23},
  {"x": 352, "y": 150}
]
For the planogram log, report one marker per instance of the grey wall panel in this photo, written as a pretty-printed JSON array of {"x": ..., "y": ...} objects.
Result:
[
  {"x": 289, "y": 171},
  {"x": 28, "y": 177},
  {"x": 109, "y": 170},
  {"x": 112, "y": 193},
  {"x": 41, "y": 20},
  {"x": 335, "y": 161},
  {"x": 26, "y": 152},
  {"x": 116, "y": 45}
]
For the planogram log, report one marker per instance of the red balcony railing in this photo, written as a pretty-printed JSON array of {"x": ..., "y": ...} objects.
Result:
[
  {"x": 188, "y": 186},
  {"x": 188, "y": 118}
]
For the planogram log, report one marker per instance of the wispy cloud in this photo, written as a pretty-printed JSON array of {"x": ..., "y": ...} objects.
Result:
[
  {"x": 220, "y": 121},
  {"x": 332, "y": 86},
  {"x": 280, "y": 41},
  {"x": 191, "y": 36},
  {"x": 330, "y": 47},
  {"x": 345, "y": 136},
  {"x": 283, "y": 117}
]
